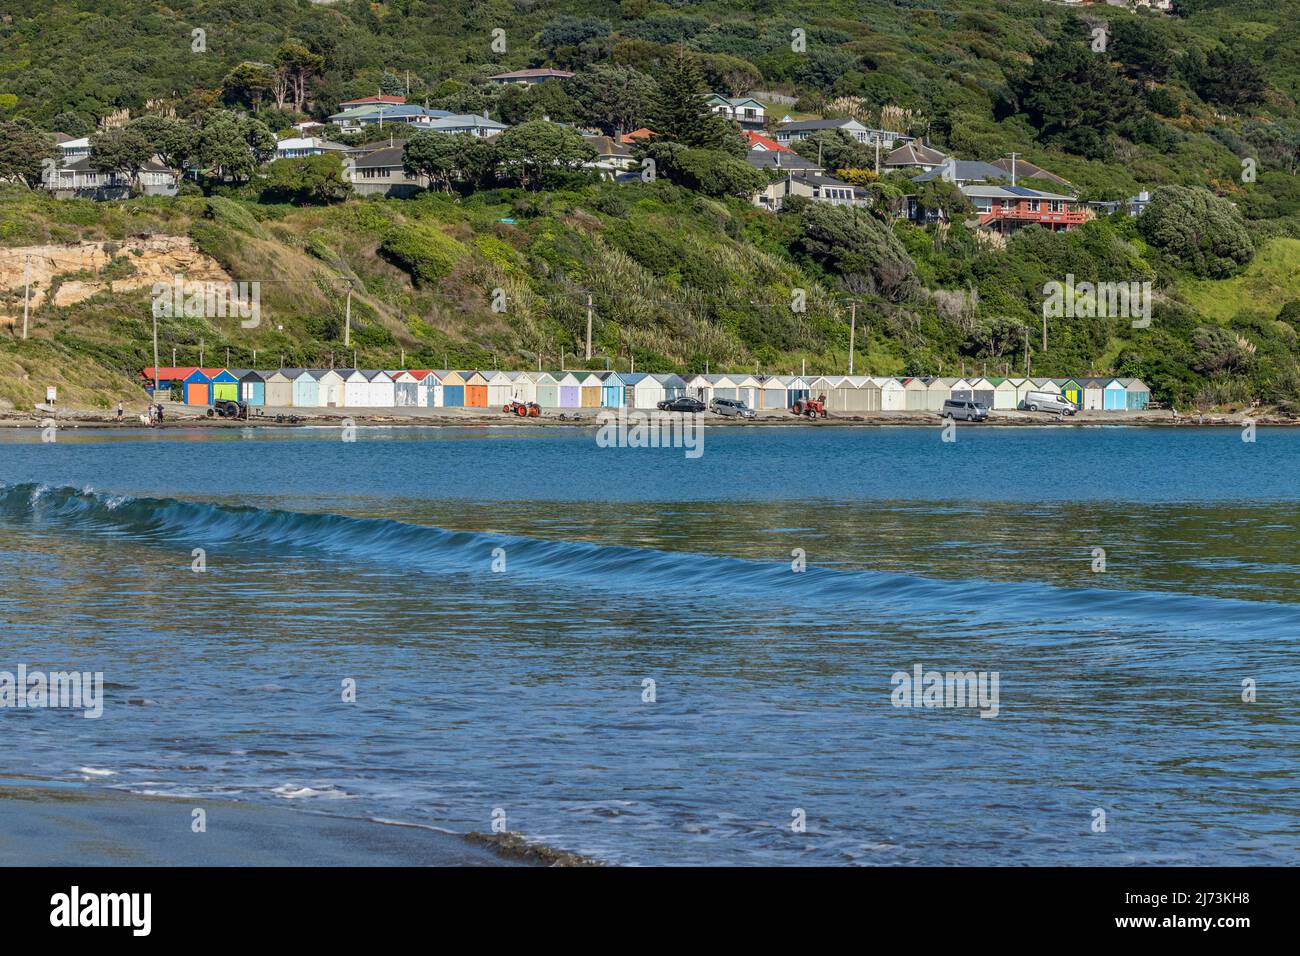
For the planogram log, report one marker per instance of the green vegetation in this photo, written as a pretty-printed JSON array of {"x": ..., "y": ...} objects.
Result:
[{"x": 1201, "y": 108}]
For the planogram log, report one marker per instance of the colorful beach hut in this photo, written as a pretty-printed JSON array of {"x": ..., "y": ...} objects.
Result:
[
  {"x": 1136, "y": 394},
  {"x": 476, "y": 389},
  {"x": 453, "y": 389},
  {"x": 548, "y": 389},
  {"x": 196, "y": 389},
  {"x": 252, "y": 387},
  {"x": 225, "y": 385},
  {"x": 570, "y": 390},
  {"x": 613, "y": 393},
  {"x": 305, "y": 392},
  {"x": 1114, "y": 397},
  {"x": 590, "y": 394},
  {"x": 1071, "y": 391}
]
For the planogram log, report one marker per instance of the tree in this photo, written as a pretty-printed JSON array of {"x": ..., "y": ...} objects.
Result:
[
  {"x": 617, "y": 99},
  {"x": 536, "y": 146},
  {"x": 1226, "y": 75},
  {"x": 707, "y": 171},
  {"x": 308, "y": 180},
  {"x": 248, "y": 84},
  {"x": 450, "y": 159},
  {"x": 857, "y": 246},
  {"x": 682, "y": 115},
  {"x": 176, "y": 143},
  {"x": 234, "y": 145},
  {"x": 1142, "y": 51},
  {"x": 295, "y": 65},
  {"x": 1074, "y": 97},
  {"x": 836, "y": 149},
  {"x": 24, "y": 150},
  {"x": 1201, "y": 232},
  {"x": 122, "y": 149}
]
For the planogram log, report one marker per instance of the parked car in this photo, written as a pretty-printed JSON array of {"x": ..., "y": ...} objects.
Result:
[
  {"x": 730, "y": 406},
  {"x": 1049, "y": 402},
  {"x": 683, "y": 403},
  {"x": 966, "y": 411}
]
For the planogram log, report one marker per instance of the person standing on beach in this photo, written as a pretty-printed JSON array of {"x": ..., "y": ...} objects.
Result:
[{"x": 119, "y": 413}]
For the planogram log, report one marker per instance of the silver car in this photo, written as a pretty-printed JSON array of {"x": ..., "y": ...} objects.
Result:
[
  {"x": 730, "y": 406},
  {"x": 1049, "y": 402}
]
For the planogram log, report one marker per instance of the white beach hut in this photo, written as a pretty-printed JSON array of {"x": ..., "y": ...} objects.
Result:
[
  {"x": 380, "y": 390},
  {"x": 938, "y": 391},
  {"x": 893, "y": 397},
  {"x": 500, "y": 389},
  {"x": 329, "y": 389},
  {"x": 649, "y": 391},
  {"x": 1004, "y": 394},
  {"x": 914, "y": 394}
]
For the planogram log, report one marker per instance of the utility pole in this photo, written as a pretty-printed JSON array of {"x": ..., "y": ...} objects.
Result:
[
  {"x": 1044, "y": 329},
  {"x": 227, "y": 356},
  {"x": 156, "y": 376},
  {"x": 402, "y": 362},
  {"x": 588, "y": 326},
  {"x": 877, "y": 155},
  {"x": 347, "y": 320},
  {"x": 27, "y": 290},
  {"x": 853, "y": 325},
  {"x": 354, "y": 358},
  {"x": 1013, "y": 168},
  {"x": 255, "y": 359},
  {"x": 1026, "y": 351},
  {"x": 200, "y": 351},
  {"x": 173, "y": 358}
]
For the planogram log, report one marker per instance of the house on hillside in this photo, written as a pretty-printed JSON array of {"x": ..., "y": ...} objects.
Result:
[
  {"x": 78, "y": 180},
  {"x": 299, "y": 146},
  {"x": 791, "y": 131},
  {"x": 379, "y": 172},
  {"x": 613, "y": 160},
  {"x": 358, "y": 118},
  {"x": 72, "y": 149},
  {"x": 453, "y": 123},
  {"x": 749, "y": 113},
  {"x": 757, "y": 142},
  {"x": 914, "y": 156},
  {"x": 815, "y": 186},
  {"x": 781, "y": 161},
  {"x": 530, "y": 77},
  {"x": 379, "y": 99}
]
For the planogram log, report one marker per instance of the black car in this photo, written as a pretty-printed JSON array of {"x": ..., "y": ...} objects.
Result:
[{"x": 683, "y": 403}]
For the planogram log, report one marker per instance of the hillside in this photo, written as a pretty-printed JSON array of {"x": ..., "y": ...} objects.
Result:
[{"x": 679, "y": 274}]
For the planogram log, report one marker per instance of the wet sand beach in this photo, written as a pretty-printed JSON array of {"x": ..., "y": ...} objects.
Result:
[{"x": 75, "y": 825}]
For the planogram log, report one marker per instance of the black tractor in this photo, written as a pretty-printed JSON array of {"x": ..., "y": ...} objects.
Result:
[{"x": 225, "y": 408}]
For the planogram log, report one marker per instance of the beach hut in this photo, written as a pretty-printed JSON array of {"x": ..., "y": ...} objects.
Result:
[
  {"x": 649, "y": 391},
  {"x": 1136, "y": 395},
  {"x": 279, "y": 387},
  {"x": 425, "y": 384},
  {"x": 613, "y": 393},
  {"x": 523, "y": 386},
  {"x": 453, "y": 389},
  {"x": 914, "y": 394},
  {"x": 747, "y": 388},
  {"x": 1071, "y": 391},
  {"x": 1094, "y": 393},
  {"x": 330, "y": 388},
  {"x": 721, "y": 386},
  {"x": 962, "y": 391},
  {"x": 252, "y": 388},
  {"x": 938, "y": 391},
  {"x": 224, "y": 385},
  {"x": 570, "y": 390},
  {"x": 476, "y": 394},
  {"x": 591, "y": 389},
  {"x": 826, "y": 385},
  {"x": 631, "y": 382},
  {"x": 196, "y": 389},
  {"x": 166, "y": 377},
  {"x": 675, "y": 386},
  {"x": 305, "y": 391},
  {"x": 380, "y": 388},
  {"x": 500, "y": 389},
  {"x": 1023, "y": 387},
  {"x": 773, "y": 393},
  {"x": 356, "y": 388},
  {"x": 548, "y": 389},
  {"x": 1114, "y": 397},
  {"x": 1004, "y": 393},
  {"x": 893, "y": 398},
  {"x": 406, "y": 389},
  {"x": 852, "y": 393},
  {"x": 982, "y": 391},
  {"x": 797, "y": 388},
  {"x": 699, "y": 386}
]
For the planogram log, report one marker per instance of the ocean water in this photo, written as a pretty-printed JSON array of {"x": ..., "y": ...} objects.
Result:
[{"x": 503, "y": 597}]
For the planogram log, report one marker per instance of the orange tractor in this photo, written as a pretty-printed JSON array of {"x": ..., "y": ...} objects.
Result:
[
  {"x": 810, "y": 407},
  {"x": 523, "y": 409}
]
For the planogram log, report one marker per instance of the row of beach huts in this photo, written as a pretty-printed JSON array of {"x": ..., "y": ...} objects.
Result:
[{"x": 442, "y": 388}]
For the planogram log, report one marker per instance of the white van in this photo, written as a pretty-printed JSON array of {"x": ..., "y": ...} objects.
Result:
[{"x": 1048, "y": 402}]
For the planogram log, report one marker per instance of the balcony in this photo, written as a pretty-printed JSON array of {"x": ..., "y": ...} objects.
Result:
[{"x": 1024, "y": 215}]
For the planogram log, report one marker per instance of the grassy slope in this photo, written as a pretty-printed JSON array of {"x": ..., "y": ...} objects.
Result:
[{"x": 1268, "y": 283}]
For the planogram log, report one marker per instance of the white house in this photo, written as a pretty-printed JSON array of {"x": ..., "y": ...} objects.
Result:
[
  {"x": 791, "y": 131},
  {"x": 299, "y": 146},
  {"x": 748, "y": 112}
]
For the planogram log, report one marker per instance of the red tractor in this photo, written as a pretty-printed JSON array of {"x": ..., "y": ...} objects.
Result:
[
  {"x": 810, "y": 407},
  {"x": 523, "y": 409}
]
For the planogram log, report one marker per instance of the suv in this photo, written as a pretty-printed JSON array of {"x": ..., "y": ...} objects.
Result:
[
  {"x": 1049, "y": 402},
  {"x": 730, "y": 406},
  {"x": 967, "y": 411}
]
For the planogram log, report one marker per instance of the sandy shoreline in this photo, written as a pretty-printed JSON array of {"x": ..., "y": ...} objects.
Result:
[
  {"x": 70, "y": 824},
  {"x": 181, "y": 415}
]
